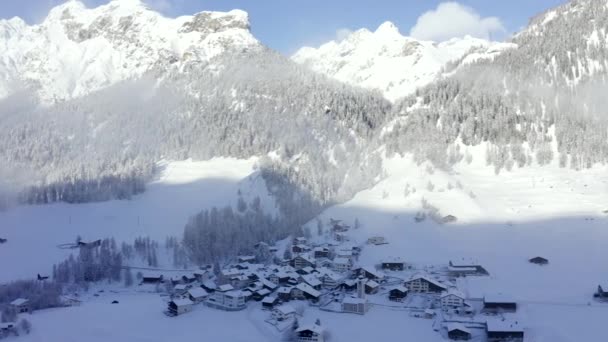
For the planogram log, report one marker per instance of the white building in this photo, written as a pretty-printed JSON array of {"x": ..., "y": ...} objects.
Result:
[
  {"x": 424, "y": 284},
  {"x": 180, "y": 306},
  {"x": 21, "y": 305},
  {"x": 452, "y": 299},
  {"x": 230, "y": 300},
  {"x": 342, "y": 264},
  {"x": 355, "y": 305}
]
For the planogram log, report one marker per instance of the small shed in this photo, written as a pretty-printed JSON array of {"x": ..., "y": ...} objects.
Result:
[
  {"x": 458, "y": 332},
  {"x": 397, "y": 294},
  {"x": 270, "y": 302},
  {"x": 180, "y": 306},
  {"x": 21, "y": 305}
]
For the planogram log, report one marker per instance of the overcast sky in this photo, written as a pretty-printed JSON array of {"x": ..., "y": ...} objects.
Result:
[{"x": 286, "y": 25}]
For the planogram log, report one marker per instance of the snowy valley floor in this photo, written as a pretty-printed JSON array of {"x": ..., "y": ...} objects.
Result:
[{"x": 550, "y": 212}]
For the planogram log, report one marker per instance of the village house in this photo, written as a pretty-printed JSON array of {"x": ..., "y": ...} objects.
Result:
[
  {"x": 180, "y": 306},
  {"x": 240, "y": 281},
  {"x": 283, "y": 312},
  {"x": 348, "y": 285},
  {"x": 21, "y": 305},
  {"x": 300, "y": 241},
  {"x": 452, "y": 299},
  {"x": 7, "y": 328},
  {"x": 249, "y": 259},
  {"x": 180, "y": 289},
  {"x": 341, "y": 264},
  {"x": 369, "y": 273},
  {"x": 305, "y": 291},
  {"x": 310, "y": 333},
  {"x": 397, "y": 294},
  {"x": 321, "y": 252},
  {"x": 465, "y": 268},
  {"x": 377, "y": 240},
  {"x": 393, "y": 264},
  {"x": 424, "y": 284},
  {"x": 601, "y": 294},
  {"x": 297, "y": 249},
  {"x": 271, "y": 286},
  {"x": 341, "y": 237},
  {"x": 329, "y": 278},
  {"x": 306, "y": 270},
  {"x": 504, "y": 331},
  {"x": 301, "y": 261},
  {"x": 197, "y": 295},
  {"x": 209, "y": 286},
  {"x": 270, "y": 302},
  {"x": 152, "y": 278},
  {"x": 226, "y": 275},
  {"x": 539, "y": 261},
  {"x": 231, "y": 300},
  {"x": 188, "y": 278},
  {"x": 458, "y": 332},
  {"x": 499, "y": 303},
  {"x": 371, "y": 287},
  {"x": 284, "y": 293},
  {"x": 312, "y": 280},
  {"x": 260, "y": 294}
]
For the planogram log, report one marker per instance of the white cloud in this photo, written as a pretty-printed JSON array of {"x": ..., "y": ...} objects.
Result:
[
  {"x": 343, "y": 33},
  {"x": 451, "y": 19}
]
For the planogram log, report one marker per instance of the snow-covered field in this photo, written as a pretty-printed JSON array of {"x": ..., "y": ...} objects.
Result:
[{"x": 183, "y": 189}]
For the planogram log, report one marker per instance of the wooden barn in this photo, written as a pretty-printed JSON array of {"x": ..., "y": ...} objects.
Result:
[
  {"x": 397, "y": 294},
  {"x": 458, "y": 332}
]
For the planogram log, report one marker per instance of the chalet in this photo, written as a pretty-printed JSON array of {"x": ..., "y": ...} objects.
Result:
[
  {"x": 397, "y": 294},
  {"x": 271, "y": 286},
  {"x": 458, "y": 332},
  {"x": 180, "y": 289},
  {"x": 197, "y": 295},
  {"x": 463, "y": 268},
  {"x": 452, "y": 299},
  {"x": 429, "y": 313},
  {"x": 240, "y": 281},
  {"x": 300, "y": 249},
  {"x": 283, "y": 312},
  {"x": 539, "y": 261},
  {"x": 209, "y": 286},
  {"x": 371, "y": 287},
  {"x": 355, "y": 305},
  {"x": 21, "y": 305},
  {"x": 340, "y": 228},
  {"x": 270, "y": 302},
  {"x": 309, "y": 333},
  {"x": 424, "y": 284},
  {"x": 341, "y": 237},
  {"x": 300, "y": 241},
  {"x": 232, "y": 300},
  {"x": 152, "y": 278},
  {"x": 369, "y": 273},
  {"x": 329, "y": 278},
  {"x": 189, "y": 278},
  {"x": 305, "y": 291},
  {"x": 342, "y": 264},
  {"x": 250, "y": 259},
  {"x": 202, "y": 275},
  {"x": 503, "y": 331},
  {"x": 601, "y": 293},
  {"x": 312, "y": 280},
  {"x": 348, "y": 285},
  {"x": 260, "y": 294},
  {"x": 180, "y": 306},
  {"x": 377, "y": 240},
  {"x": 321, "y": 252},
  {"x": 284, "y": 293},
  {"x": 393, "y": 264},
  {"x": 302, "y": 261},
  {"x": 499, "y": 303}
]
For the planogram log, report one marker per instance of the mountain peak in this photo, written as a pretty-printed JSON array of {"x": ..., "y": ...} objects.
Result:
[{"x": 387, "y": 28}]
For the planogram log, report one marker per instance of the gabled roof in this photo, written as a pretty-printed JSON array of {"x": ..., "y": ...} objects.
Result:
[
  {"x": 198, "y": 292},
  {"x": 428, "y": 279},
  {"x": 311, "y": 280},
  {"x": 400, "y": 288},
  {"x": 372, "y": 284},
  {"x": 225, "y": 287},
  {"x": 453, "y": 292},
  {"x": 210, "y": 284},
  {"x": 182, "y": 302},
  {"x": 308, "y": 289},
  {"x": 311, "y": 327},
  {"x": 373, "y": 271},
  {"x": 285, "y": 309},
  {"x": 458, "y": 326},
  {"x": 20, "y": 301},
  {"x": 180, "y": 287},
  {"x": 497, "y": 325},
  {"x": 269, "y": 300}
]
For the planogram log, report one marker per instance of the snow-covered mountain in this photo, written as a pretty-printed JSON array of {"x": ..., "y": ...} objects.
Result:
[
  {"x": 387, "y": 61},
  {"x": 77, "y": 50}
]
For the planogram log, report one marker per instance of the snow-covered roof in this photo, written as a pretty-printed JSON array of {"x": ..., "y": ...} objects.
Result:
[
  {"x": 311, "y": 327},
  {"x": 311, "y": 280},
  {"x": 308, "y": 289},
  {"x": 457, "y": 326},
  {"x": 453, "y": 292},
  {"x": 400, "y": 288},
  {"x": 341, "y": 261},
  {"x": 462, "y": 268},
  {"x": 182, "y": 302},
  {"x": 496, "y": 325},
  {"x": 7, "y": 325},
  {"x": 285, "y": 309},
  {"x": 152, "y": 275},
  {"x": 269, "y": 300},
  {"x": 225, "y": 287},
  {"x": 427, "y": 278},
  {"x": 284, "y": 290},
  {"x": 198, "y": 292},
  {"x": 180, "y": 287},
  {"x": 19, "y": 301},
  {"x": 268, "y": 283},
  {"x": 210, "y": 284},
  {"x": 371, "y": 270},
  {"x": 393, "y": 260},
  {"x": 372, "y": 284},
  {"x": 498, "y": 298},
  {"x": 263, "y": 292}
]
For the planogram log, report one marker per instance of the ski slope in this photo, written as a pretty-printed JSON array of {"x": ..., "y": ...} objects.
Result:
[{"x": 183, "y": 189}]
